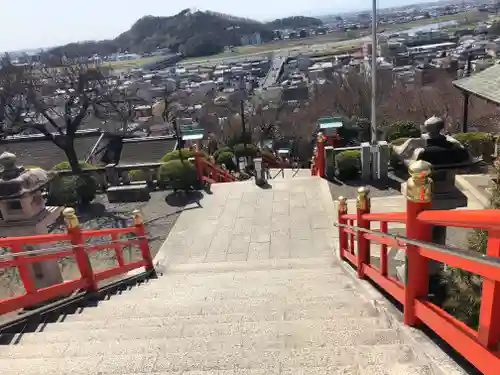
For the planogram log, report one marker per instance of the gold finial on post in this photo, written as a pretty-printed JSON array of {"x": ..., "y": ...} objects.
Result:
[
  {"x": 419, "y": 185},
  {"x": 321, "y": 137},
  {"x": 70, "y": 218},
  {"x": 137, "y": 217},
  {"x": 362, "y": 198},
  {"x": 342, "y": 205}
]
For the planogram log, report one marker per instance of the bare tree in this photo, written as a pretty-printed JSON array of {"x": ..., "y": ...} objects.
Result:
[
  {"x": 55, "y": 102},
  {"x": 118, "y": 107}
]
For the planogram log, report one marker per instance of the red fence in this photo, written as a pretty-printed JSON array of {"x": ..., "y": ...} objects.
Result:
[
  {"x": 80, "y": 250},
  {"x": 480, "y": 347},
  {"x": 209, "y": 172}
]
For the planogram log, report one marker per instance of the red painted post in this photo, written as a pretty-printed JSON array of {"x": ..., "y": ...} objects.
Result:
[
  {"x": 81, "y": 256},
  {"x": 342, "y": 210},
  {"x": 143, "y": 241},
  {"x": 321, "y": 155},
  {"x": 489, "y": 324},
  {"x": 362, "y": 207},
  {"x": 24, "y": 270},
  {"x": 418, "y": 198},
  {"x": 198, "y": 165},
  {"x": 383, "y": 250}
]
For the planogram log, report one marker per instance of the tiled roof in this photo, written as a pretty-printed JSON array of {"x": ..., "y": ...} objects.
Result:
[
  {"x": 44, "y": 153},
  {"x": 146, "y": 150},
  {"x": 485, "y": 84}
]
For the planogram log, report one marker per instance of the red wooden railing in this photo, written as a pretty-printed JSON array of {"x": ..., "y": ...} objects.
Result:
[
  {"x": 209, "y": 172},
  {"x": 80, "y": 250},
  {"x": 480, "y": 347},
  {"x": 318, "y": 159}
]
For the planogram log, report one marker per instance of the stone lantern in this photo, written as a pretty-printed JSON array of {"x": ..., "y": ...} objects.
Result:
[{"x": 23, "y": 212}]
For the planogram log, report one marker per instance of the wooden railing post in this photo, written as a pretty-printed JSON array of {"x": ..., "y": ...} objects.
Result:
[
  {"x": 342, "y": 210},
  {"x": 143, "y": 241},
  {"x": 489, "y": 322},
  {"x": 81, "y": 256},
  {"x": 362, "y": 207},
  {"x": 320, "y": 159},
  {"x": 418, "y": 198}
]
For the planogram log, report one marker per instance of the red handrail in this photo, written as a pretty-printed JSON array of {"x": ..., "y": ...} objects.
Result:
[
  {"x": 484, "y": 219},
  {"x": 79, "y": 248},
  {"x": 209, "y": 172},
  {"x": 215, "y": 173},
  {"x": 480, "y": 347}
]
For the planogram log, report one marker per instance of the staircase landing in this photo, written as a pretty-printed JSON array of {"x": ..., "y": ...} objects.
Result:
[
  {"x": 293, "y": 218},
  {"x": 250, "y": 286}
]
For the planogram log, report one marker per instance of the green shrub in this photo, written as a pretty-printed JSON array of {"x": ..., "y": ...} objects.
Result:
[
  {"x": 186, "y": 154},
  {"x": 402, "y": 129},
  {"x": 348, "y": 164},
  {"x": 479, "y": 144},
  {"x": 178, "y": 175},
  {"x": 65, "y": 165},
  {"x": 72, "y": 190},
  {"x": 220, "y": 150},
  {"x": 240, "y": 150},
  {"x": 226, "y": 158}
]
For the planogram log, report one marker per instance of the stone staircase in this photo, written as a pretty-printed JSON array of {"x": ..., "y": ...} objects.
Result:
[
  {"x": 268, "y": 317},
  {"x": 255, "y": 288}
]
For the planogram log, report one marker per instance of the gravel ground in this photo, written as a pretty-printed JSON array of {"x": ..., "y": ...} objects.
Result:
[{"x": 348, "y": 189}]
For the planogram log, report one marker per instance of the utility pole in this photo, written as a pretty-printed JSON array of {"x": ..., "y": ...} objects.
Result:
[
  {"x": 242, "y": 114},
  {"x": 374, "y": 75}
]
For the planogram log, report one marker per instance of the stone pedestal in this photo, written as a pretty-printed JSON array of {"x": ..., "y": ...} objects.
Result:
[
  {"x": 366, "y": 161},
  {"x": 23, "y": 213}
]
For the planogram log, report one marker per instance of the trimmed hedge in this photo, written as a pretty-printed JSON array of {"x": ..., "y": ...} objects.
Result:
[
  {"x": 72, "y": 190},
  {"x": 65, "y": 165},
  {"x": 186, "y": 154},
  {"x": 178, "y": 175},
  {"x": 479, "y": 144},
  {"x": 221, "y": 150},
  {"x": 240, "y": 150},
  {"x": 402, "y": 129},
  {"x": 348, "y": 164},
  {"x": 226, "y": 158}
]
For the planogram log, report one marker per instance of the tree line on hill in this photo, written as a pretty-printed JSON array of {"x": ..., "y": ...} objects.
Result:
[{"x": 190, "y": 33}]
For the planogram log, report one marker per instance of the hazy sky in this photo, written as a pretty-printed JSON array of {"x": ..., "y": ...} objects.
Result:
[{"x": 44, "y": 23}]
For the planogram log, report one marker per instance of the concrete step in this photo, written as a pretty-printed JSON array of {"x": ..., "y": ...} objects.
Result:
[
  {"x": 263, "y": 296},
  {"x": 302, "y": 328},
  {"x": 391, "y": 359},
  {"x": 324, "y": 317},
  {"x": 341, "y": 304},
  {"x": 203, "y": 338}
]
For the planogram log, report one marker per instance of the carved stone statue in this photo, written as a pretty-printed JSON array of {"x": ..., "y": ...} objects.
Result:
[{"x": 433, "y": 146}]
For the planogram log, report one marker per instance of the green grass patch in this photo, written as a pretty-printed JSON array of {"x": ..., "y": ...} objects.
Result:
[{"x": 132, "y": 63}]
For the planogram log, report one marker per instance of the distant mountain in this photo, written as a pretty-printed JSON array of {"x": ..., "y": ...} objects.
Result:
[
  {"x": 295, "y": 22},
  {"x": 194, "y": 33}
]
